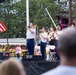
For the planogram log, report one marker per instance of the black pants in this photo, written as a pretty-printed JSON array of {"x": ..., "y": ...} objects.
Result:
[
  {"x": 30, "y": 46},
  {"x": 43, "y": 49},
  {"x": 56, "y": 44},
  {"x": 52, "y": 42}
]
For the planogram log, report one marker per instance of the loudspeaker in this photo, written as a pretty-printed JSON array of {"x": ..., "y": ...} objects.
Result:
[{"x": 2, "y": 1}]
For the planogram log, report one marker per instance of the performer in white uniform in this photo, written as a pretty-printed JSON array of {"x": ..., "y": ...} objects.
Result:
[
  {"x": 31, "y": 33},
  {"x": 57, "y": 34},
  {"x": 43, "y": 37},
  {"x": 51, "y": 36}
]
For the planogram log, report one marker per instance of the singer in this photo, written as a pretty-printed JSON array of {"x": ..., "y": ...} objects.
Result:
[{"x": 31, "y": 32}]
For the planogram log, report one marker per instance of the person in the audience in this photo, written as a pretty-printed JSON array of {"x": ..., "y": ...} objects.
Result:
[
  {"x": 11, "y": 67},
  {"x": 67, "y": 51},
  {"x": 18, "y": 49},
  {"x": 18, "y": 57},
  {"x": 72, "y": 25}
]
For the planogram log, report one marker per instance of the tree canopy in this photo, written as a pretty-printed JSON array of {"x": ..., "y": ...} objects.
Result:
[{"x": 13, "y": 15}]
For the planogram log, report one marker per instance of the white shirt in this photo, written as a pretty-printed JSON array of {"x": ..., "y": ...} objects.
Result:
[
  {"x": 31, "y": 35},
  {"x": 43, "y": 34},
  {"x": 62, "y": 70},
  {"x": 56, "y": 35}
]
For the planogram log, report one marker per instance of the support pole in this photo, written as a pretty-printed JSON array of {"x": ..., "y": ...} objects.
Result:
[
  {"x": 70, "y": 12},
  {"x": 27, "y": 13},
  {"x": 27, "y": 17}
]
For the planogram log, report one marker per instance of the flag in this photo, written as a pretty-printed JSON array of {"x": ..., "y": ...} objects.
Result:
[{"x": 2, "y": 27}]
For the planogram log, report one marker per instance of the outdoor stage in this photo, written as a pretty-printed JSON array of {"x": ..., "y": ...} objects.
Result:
[
  {"x": 35, "y": 67},
  {"x": 38, "y": 67}
]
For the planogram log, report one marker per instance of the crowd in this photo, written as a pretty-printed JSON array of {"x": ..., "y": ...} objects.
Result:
[{"x": 66, "y": 48}]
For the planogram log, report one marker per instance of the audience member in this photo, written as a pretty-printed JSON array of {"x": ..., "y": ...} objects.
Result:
[
  {"x": 18, "y": 57},
  {"x": 12, "y": 67},
  {"x": 18, "y": 50}
]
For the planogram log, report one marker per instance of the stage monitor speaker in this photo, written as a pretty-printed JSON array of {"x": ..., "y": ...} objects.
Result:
[{"x": 2, "y": 1}]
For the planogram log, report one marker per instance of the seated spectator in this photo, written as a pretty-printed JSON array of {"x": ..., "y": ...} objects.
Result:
[
  {"x": 67, "y": 52},
  {"x": 12, "y": 67},
  {"x": 18, "y": 50},
  {"x": 72, "y": 25},
  {"x": 18, "y": 57}
]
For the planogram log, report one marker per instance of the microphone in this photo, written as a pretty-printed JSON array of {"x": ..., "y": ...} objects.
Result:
[{"x": 28, "y": 26}]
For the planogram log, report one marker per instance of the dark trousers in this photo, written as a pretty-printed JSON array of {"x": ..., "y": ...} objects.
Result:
[
  {"x": 43, "y": 49},
  {"x": 30, "y": 46},
  {"x": 52, "y": 42},
  {"x": 56, "y": 44}
]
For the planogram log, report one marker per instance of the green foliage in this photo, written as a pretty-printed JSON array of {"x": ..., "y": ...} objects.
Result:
[
  {"x": 14, "y": 18},
  {"x": 14, "y": 15},
  {"x": 74, "y": 11},
  {"x": 38, "y": 14}
]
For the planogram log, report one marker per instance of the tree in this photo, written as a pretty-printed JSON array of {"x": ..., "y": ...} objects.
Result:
[
  {"x": 14, "y": 18},
  {"x": 38, "y": 14},
  {"x": 14, "y": 15}
]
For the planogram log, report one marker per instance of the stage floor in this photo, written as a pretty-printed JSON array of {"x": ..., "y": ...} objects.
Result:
[
  {"x": 38, "y": 67},
  {"x": 35, "y": 67}
]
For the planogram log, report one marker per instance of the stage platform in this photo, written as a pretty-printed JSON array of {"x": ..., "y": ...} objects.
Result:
[
  {"x": 35, "y": 67},
  {"x": 38, "y": 67}
]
